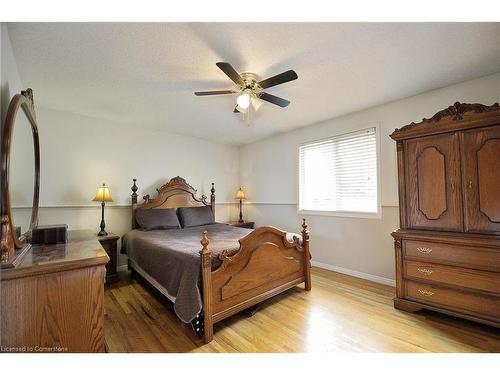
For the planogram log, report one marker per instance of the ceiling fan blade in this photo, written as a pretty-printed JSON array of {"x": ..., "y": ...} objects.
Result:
[
  {"x": 203, "y": 93},
  {"x": 274, "y": 99},
  {"x": 287, "y": 76},
  {"x": 231, "y": 73}
]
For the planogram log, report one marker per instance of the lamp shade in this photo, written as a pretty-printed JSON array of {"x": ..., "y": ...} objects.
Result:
[
  {"x": 103, "y": 195},
  {"x": 240, "y": 194}
]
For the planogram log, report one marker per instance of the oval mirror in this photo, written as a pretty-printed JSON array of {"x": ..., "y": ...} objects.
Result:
[{"x": 20, "y": 163}]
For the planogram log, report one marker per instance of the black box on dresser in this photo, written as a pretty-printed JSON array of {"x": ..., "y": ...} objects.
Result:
[{"x": 49, "y": 234}]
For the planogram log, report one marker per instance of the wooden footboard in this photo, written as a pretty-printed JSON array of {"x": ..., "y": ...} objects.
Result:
[{"x": 266, "y": 264}]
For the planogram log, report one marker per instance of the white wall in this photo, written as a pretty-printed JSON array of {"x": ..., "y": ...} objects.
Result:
[
  {"x": 1, "y": 75},
  {"x": 79, "y": 153},
  {"x": 268, "y": 172},
  {"x": 10, "y": 80}
]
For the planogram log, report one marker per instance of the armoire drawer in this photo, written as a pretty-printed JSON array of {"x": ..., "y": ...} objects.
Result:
[
  {"x": 480, "y": 304},
  {"x": 484, "y": 258},
  {"x": 457, "y": 276}
]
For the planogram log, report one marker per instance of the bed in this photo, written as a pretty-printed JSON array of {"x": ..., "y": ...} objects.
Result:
[{"x": 215, "y": 270}]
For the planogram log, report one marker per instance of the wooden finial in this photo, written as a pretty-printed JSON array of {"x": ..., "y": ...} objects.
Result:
[
  {"x": 307, "y": 255},
  {"x": 212, "y": 200},
  {"x": 28, "y": 94},
  {"x": 305, "y": 232},
  {"x": 134, "y": 196},
  {"x": 6, "y": 241},
  {"x": 204, "y": 241}
]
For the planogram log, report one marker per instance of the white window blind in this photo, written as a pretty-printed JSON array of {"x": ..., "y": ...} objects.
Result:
[{"x": 339, "y": 174}]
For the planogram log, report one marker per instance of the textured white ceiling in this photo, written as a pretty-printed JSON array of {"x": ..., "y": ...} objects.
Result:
[{"x": 144, "y": 74}]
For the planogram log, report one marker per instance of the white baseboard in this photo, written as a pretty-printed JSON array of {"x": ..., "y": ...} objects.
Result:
[
  {"x": 121, "y": 268},
  {"x": 361, "y": 275}
]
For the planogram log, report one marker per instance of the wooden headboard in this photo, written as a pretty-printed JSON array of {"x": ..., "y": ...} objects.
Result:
[{"x": 174, "y": 194}]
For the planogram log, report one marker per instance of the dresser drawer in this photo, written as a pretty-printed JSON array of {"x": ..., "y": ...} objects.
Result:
[
  {"x": 458, "y": 276},
  {"x": 454, "y": 299},
  {"x": 479, "y": 257}
]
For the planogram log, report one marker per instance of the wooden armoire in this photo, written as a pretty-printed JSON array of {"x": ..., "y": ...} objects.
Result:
[{"x": 448, "y": 245}]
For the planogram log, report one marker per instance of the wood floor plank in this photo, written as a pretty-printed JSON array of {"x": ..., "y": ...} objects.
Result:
[{"x": 340, "y": 313}]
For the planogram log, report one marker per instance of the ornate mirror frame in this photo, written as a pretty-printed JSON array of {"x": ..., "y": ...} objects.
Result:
[{"x": 12, "y": 247}]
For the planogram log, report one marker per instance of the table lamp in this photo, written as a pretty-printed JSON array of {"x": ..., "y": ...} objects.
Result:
[
  {"x": 103, "y": 196},
  {"x": 240, "y": 194}
]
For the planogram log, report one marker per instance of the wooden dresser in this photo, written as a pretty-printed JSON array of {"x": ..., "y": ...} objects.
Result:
[
  {"x": 448, "y": 246},
  {"x": 54, "y": 300}
]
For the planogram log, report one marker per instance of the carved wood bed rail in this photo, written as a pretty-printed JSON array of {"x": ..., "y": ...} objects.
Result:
[{"x": 266, "y": 264}]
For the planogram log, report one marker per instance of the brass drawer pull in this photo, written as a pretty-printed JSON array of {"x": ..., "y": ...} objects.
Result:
[
  {"x": 425, "y": 292},
  {"x": 424, "y": 250},
  {"x": 425, "y": 270}
]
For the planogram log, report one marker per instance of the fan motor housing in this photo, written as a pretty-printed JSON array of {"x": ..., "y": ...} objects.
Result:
[{"x": 250, "y": 80}]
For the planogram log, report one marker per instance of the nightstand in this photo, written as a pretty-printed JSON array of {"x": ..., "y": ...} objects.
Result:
[
  {"x": 245, "y": 224},
  {"x": 110, "y": 244}
]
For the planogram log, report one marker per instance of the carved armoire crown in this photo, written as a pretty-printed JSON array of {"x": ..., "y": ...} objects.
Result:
[{"x": 448, "y": 245}]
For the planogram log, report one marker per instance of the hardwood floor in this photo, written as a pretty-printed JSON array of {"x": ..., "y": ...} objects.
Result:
[{"x": 341, "y": 313}]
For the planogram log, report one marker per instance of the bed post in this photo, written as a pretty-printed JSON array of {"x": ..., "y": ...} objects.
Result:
[
  {"x": 307, "y": 256},
  {"x": 206, "y": 276},
  {"x": 134, "y": 202},
  {"x": 212, "y": 200}
]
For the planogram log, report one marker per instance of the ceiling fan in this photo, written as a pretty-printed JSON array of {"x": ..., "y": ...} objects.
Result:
[{"x": 251, "y": 88}]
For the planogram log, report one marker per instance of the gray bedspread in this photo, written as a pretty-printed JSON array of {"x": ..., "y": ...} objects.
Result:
[{"x": 171, "y": 257}]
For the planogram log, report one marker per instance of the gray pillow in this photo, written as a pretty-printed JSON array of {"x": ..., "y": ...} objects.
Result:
[
  {"x": 195, "y": 216},
  {"x": 157, "y": 218}
]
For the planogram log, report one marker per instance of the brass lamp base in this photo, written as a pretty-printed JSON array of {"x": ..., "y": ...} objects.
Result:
[
  {"x": 103, "y": 224},
  {"x": 241, "y": 213}
]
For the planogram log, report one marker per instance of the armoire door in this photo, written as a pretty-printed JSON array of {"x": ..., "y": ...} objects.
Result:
[
  {"x": 481, "y": 179},
  {"x": 433, "y": 183}
]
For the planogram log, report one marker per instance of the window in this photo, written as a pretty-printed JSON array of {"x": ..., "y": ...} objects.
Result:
[{"x": 339, "y": 174}]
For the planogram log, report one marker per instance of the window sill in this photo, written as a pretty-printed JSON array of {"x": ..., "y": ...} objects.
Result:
[{"x": 347, "y": 214}]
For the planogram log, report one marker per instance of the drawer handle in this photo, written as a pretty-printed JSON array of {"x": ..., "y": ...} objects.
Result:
[
  {"x": 425, "y": 292},
  {"x": 425, "y": 270},
  {"x": 424, "y": 250}
]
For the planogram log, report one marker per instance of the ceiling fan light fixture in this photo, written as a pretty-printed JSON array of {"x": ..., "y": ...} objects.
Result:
[
  {"x": 244, "y": 99},
  {"x": 256, "y": 104},
  {"x": 241, "y": 110}
]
